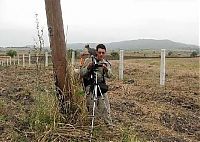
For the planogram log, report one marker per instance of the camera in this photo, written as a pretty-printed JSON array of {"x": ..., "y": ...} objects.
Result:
[{"x": 95, "y": 63}]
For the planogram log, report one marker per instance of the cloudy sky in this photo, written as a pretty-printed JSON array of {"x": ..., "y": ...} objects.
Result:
[{"x": 103, "y": 20}]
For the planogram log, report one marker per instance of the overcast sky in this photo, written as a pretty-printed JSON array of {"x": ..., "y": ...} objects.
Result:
[{"x": 103, "y": 20}]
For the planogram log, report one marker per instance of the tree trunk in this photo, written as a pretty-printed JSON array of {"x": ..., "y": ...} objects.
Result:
[{"x": 58, "y": 47}]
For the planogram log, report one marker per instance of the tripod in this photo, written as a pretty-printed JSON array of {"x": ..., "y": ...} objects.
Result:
[{"x": 95, "y": 90}]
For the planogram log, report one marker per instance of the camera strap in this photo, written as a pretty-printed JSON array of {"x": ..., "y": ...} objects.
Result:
[{"x": 104, "y": 76}]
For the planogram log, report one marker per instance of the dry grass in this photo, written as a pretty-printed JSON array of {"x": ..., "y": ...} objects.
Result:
[
  {"x": 140, "y": 107},
  {"x": 169, "y": 113}
]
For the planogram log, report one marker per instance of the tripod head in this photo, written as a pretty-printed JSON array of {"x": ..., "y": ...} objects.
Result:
[
  {"x": 95, "y": 63},
  {"x": 94, "y": 69}
]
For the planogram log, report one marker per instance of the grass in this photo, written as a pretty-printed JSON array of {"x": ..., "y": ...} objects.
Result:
[
  {"x": 45, "y": 123},
  {"x": 129, "y": 137},
  {"x": 183, "y": 64},
  {"x": 45, "y": 119},
  {"x": 45, "y": 112},
  {"x": 3, "y": 118}
]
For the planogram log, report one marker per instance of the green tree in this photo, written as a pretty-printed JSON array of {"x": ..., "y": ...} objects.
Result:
[
  {"x": 115, "y": 55},
  {"x": 169, "y": 53},
  {"x": 11, "y": 53},
  {"x": 194, "y": 54}
]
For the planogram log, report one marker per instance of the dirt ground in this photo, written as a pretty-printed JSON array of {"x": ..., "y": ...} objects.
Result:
[
  {"x": 170, "y": 113},
  {"x": 140, "y": 106}
]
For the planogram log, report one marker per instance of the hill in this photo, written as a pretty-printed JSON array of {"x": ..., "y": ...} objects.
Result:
[{"x": 140, "y": 44}]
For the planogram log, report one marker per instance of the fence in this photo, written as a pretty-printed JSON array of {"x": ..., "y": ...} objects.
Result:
[{"x": 27, "y": 60}]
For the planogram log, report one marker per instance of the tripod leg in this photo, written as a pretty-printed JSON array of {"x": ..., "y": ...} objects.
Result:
[{"x": 93, "y": 110}]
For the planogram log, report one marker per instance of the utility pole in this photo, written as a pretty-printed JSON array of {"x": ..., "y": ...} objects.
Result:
[{"x": 58, "y": 47}]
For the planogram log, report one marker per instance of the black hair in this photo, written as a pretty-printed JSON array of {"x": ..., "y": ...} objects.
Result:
[{"x": 100, "y": 46}]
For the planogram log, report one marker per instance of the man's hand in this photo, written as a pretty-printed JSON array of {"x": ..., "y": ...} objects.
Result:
[
  {"x": 90, "y": 65},
  {"x": 105, "y": 67}
]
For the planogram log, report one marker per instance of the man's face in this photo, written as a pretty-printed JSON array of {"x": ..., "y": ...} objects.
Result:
[{"x": 101, "y": 53}]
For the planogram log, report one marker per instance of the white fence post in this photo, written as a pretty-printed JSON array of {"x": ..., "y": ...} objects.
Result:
[
  {"x": 14, "y": 60},
  {"x": 10, "y": 60},
  {"x": 121, "y": 65},
  {"x": 23, "y": 61},
  {"x": 37, "y": 58},
  {"x": 7, "y": 63},
  {"x": 29, "y": 59},
  {"x": 162, "y": 67},
  {"x": 18, "y": 59},
  {"x": 73, "y": 58},
  {"x": 46, "y": 59}
]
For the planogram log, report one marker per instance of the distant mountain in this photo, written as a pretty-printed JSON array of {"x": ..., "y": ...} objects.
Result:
[
  {"x": 140, "y": 44},
  {"x": 150, "y": 44}
]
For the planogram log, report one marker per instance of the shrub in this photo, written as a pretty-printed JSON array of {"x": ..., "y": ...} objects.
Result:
[
  {"x": 11, "y": 53},
  {"x": 115, "y": 55},
  {"x": 169, "y": 53},
  {"x": 194, "y": 54}
]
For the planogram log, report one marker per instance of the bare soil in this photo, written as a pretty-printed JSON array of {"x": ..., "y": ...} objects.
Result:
[{"x": 140, "y": 106}]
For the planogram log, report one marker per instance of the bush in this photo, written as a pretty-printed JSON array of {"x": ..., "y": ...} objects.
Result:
[
  {"x": 169, "y": 53},
  {"x": 115, "y": 55},
  {"x": 194, "y": 54},
  {"x": 11, "y": 53}
]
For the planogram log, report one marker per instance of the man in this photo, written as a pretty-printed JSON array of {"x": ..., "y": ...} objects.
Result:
[{"x": 103, "y": 71}]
